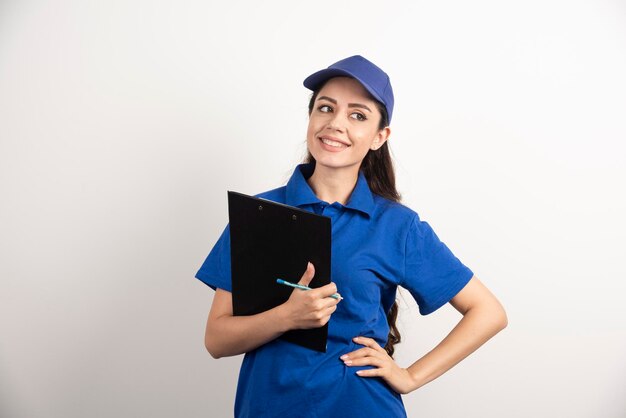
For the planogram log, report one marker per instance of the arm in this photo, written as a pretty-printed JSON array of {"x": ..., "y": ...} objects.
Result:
[
  {"x": 228, "y": 335},
  {"x": 483, "y": 317}
]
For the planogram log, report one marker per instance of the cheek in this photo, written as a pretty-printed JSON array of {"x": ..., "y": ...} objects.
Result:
[
  {"x": 370, "y": 133},
  {"x": 313, "y": 128},
  {"x": 363, "y": 137},
  {"x": 310, "y": 133}
]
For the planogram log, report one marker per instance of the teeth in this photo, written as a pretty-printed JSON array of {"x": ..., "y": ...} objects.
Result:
[{"x": 332, "y": 143}]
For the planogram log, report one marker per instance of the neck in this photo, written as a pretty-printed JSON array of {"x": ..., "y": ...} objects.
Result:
[{"x": 333, "y": 185}]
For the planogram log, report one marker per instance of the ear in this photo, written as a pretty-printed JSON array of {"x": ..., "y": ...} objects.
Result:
[{"x": 381, "y": 137}]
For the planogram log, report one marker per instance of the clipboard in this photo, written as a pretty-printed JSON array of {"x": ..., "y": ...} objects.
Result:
[{"x": 270, "y": 240}]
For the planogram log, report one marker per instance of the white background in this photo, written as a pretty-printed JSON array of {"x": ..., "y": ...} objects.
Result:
[{"x": 123, "y": 123}]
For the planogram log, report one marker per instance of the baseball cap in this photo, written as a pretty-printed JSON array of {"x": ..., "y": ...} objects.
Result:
[{"x": 375, "y": 80}]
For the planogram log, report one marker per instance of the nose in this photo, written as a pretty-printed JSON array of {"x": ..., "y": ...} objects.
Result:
[{"x": 336, "y": 123}]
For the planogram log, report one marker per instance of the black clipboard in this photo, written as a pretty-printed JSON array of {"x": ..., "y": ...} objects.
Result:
[{"x": 270, "y": 240}]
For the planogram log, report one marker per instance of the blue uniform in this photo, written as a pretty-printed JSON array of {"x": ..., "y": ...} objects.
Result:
[{"x": 378, "y": 245}]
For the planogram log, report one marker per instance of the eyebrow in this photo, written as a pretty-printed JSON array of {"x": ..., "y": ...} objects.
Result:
[{"x": 359, "y": 105}]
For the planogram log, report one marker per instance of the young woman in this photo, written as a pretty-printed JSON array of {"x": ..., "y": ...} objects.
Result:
[{"x": 378, "y": 245}]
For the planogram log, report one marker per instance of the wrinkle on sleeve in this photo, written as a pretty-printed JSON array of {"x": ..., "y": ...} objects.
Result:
[{"x": 432, "y": 274}]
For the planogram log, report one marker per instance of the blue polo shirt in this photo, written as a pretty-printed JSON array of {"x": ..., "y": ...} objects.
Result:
[{"x": 378, "y": 245}]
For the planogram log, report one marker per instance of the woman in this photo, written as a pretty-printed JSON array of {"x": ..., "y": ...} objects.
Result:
[{"x": 378, "y": 245}]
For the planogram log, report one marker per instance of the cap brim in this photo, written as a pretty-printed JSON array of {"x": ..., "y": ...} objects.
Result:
[{"x": 315, "y": 80}]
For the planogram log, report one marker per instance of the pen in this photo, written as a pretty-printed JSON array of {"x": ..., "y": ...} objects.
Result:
[{"x": 302, "y": 287}]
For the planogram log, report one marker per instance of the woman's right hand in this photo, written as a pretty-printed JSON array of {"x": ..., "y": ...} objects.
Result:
[{"x": 310, "y": 308}]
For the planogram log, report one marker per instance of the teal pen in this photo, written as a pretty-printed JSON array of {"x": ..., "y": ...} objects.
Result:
[{"x": 302, "y": 287}]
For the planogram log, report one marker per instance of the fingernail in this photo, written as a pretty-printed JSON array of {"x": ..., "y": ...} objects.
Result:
[
  {"x": 347, "y": 362},
  {"x": 344, "y": 357},
  {"x": 308, "y": 265}
]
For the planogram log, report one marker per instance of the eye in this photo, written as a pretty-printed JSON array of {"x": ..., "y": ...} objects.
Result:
[
  {"x": 358, "y": 116},
  {"x": 325, "y": 109}
]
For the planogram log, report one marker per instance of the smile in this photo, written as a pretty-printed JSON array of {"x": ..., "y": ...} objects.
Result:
[{"x": 332, "y": 143}]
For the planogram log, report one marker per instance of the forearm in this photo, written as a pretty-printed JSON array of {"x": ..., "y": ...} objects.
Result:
[
  {"x": 476, "y": 327},
  {"x": 233, "y": 335}
]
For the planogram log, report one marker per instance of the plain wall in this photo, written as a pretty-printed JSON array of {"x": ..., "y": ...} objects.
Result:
[{"x": 124, "y": 123}]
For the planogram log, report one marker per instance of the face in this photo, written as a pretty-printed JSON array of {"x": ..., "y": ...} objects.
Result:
[{"x": 343, "y": 125}]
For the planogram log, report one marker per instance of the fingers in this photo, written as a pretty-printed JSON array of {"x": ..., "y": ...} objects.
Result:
[
  {"x": 329, "y": 302},
  {"x": 370, "y": 355},
  {"x": 365, "y": 361},
  {"x": 383, "y": 366},
  {"x": 330, "y": 310},
  {"x": 312, "y": 308},
  {"x": 308, "y": 275},
  {"x": 323, "y": 316},
  {"x": 371, "y": 372},
  {"x": 362, "y": 356},
  {"x": 326, "y": 291},
  {"x": 323, "y": 307},
  {"x": 320, "y": 292},
  {"x": 369, "y": 342},
  {"x": 361, "y": 353}
]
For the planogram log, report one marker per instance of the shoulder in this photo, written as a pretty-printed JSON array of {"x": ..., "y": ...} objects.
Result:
[
  {"x": 396, "y": 216},
  {"x": 397, "y": 211},
  {"x": 396, "y": 219}
]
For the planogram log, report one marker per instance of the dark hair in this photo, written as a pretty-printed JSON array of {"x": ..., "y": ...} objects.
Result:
[{"x": 379, "y": 172}]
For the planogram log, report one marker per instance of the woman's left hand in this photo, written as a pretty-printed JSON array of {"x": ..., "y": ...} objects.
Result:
[{"x": 374, "y": 355}]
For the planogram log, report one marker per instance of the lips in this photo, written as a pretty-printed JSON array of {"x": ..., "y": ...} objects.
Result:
[{"x": 332, "y": 141}]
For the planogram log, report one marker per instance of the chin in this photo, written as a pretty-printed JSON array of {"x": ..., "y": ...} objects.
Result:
[{"x": 335, "y": 164}]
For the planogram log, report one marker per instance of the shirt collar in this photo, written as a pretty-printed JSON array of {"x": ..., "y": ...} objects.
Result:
[{"x": 299, "y": 192}]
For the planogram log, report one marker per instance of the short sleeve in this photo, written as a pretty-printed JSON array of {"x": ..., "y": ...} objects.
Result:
[
  {"x": 433, "y": 275},
  {"x": 215, "y": 271}
]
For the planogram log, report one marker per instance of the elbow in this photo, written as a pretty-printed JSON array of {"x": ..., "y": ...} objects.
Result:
[
  {"x": 501, "y": 320},
  {"x": 496, "y": 316},
  {"x": 211, "y": 348},
  {"x": 216, "y": 354},
  {"x": 493, "y": 317}
]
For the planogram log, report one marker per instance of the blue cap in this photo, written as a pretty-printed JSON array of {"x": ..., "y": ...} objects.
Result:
[{"x": 375, "y": 80}]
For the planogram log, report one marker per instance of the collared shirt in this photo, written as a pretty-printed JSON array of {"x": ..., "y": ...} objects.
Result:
[{"x": 378, "y": 245}]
